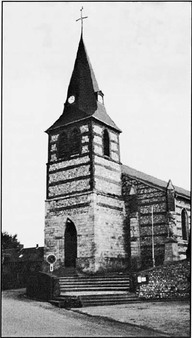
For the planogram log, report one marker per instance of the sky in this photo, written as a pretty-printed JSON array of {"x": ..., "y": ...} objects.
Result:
[{"x": 141, "y": 56}]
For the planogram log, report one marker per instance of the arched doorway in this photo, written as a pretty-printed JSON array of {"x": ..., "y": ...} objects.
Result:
[{"x": 70, "y": 244}]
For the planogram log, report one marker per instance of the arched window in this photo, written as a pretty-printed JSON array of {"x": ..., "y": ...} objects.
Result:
[
  {"x": 184, "y": 224},
  {"x": 133, "y": 202},
  {"x": 106, "y": 150},
  {"x": 63, "y": 145},
  {"x": 75, "y": 142}
]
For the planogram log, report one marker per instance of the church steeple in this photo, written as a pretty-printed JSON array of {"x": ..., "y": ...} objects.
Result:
[
  {"x": 83, "y": 88},
  {"x": 84, "y": 98},
  {"x": 84, "y": 205}
]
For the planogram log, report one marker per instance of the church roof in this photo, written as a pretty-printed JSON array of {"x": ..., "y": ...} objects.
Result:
[
  {"x": 152, "y": 180},
  {"x": 84, "y": 87}
]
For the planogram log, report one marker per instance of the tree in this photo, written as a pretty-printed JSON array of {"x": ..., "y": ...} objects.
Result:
[{"x": 9, "y": 241}]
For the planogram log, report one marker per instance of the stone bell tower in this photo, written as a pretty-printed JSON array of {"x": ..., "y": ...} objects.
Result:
[{"x": 84, "y": 221}]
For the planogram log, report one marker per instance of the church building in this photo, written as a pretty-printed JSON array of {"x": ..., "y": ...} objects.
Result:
[{"x": 102, "y": 215}]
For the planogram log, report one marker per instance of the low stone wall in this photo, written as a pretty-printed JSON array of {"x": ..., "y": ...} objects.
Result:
[{"x": 169, "y": 281}]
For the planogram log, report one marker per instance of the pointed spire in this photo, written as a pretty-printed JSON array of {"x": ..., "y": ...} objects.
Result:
[
  {"x": 83, "y": 94},
  {"x": 83, "y": 85}
]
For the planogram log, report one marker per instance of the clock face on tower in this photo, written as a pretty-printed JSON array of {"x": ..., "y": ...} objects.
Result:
[{"x": 71, "y": 99}]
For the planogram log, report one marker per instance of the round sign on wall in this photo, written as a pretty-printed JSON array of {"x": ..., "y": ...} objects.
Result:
[{"x": 51, "y": 259}]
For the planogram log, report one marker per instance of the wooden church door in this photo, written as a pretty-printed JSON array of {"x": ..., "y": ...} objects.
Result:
[{"x": 70, "y": 244}]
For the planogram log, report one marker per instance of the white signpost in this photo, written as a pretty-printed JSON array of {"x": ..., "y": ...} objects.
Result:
[{"x": 51, "y": 259}]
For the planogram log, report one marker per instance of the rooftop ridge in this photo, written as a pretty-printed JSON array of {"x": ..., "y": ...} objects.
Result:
[{"x": 153, "y": 180}]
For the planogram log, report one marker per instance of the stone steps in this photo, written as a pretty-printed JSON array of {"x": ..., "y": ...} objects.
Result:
[
  {"x": 94, "y": 283},
  {"x": 94, "y": 300},
  {"x": 77, "y": 291},
  {"x": 107, "y": 299}
]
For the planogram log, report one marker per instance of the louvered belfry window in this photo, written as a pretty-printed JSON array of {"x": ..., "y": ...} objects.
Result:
[
  {"x": 75, "y": 142},
  {"x": 106, "y": 149},
  {"x": 63, "y": 147}
]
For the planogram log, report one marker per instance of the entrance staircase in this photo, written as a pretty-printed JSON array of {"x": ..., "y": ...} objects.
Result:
[{"x": 80, "y": 290}]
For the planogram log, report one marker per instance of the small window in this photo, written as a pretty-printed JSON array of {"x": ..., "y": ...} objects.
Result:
[
  {"x": 75, "y": 141},
  {"x": 63, "y": 145},
  {"x": 100, "y": 96},
  {"x": 106, "y": 150},
  {"x": 184, "y": 224}
]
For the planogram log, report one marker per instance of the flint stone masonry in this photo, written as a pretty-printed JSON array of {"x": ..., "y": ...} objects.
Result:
[
  {"x": 156, "y": 208},
  {"x": 67, "y": 202},
  {"x": 160, "y": 218},
  {"x": 166, "y": 282},
  {"x": 72, "y": 162},
  {"x": 157, "y": 230},
  {"x": 84, "y": 170},
  {"x": 66, "y": 188},
  {"x": 147, "y": 197}
]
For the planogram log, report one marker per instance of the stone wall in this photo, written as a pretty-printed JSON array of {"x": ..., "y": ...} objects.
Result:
[
  {"x": 79, "y": 210},
  {"x": 168, "y": 281},
  {"x": 73, "y": 172},
  {"x": 98, "y": 130},
  {"x": 166, "y": 220},
  {"x": 86, "y": 189},
  {"x": 109, "y": 211},
  {"x": 110, "y": 253},
  {"x": 146, "y": 197}
]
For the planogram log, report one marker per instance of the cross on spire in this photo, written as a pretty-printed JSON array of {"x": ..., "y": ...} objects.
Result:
[{"x": 82, "y": 18}]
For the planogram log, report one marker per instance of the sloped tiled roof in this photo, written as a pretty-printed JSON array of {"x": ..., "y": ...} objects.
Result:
[
  {"x": 71, "y": 115},
  {"x": 102, "y": 116},
  {"x": 152, "y": 180}
]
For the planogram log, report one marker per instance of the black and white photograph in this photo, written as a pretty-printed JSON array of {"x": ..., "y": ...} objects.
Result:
[{"x": 96, "y": 168}]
